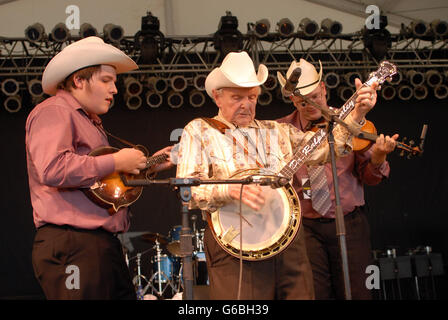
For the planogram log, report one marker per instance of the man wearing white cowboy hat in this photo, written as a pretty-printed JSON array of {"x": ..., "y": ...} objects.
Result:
[
  {"x": 76, "y": 254},
  {"x": 354, "y": 170},
  {"x": 207, "y": 153}
]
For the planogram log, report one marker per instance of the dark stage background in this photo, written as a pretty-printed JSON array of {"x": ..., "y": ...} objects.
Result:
[{"x": 406, "y": 211}]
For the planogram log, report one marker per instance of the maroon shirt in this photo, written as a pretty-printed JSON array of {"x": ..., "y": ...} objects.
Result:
[
  {"x": 354, "y": 170},
  {"x": 59, "y": 136}
]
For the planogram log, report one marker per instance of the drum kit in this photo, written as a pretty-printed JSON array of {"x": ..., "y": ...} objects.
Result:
[{"x": 166, "y": 279}]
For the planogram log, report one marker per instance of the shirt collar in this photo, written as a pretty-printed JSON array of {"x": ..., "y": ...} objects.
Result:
[
  {"x": 252, "y": 124},
  {"x": 73, "y": 103}
]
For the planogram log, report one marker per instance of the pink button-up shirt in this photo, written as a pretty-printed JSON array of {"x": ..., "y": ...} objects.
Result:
[
  {"x": 59, "y": 136},
  {"x": 354, "y": 170}
]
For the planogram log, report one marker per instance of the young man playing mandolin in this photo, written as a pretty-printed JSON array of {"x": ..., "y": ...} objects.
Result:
[
  {"x": 76, "y": 254},
  {"x": 354, "y": 170},
  {"x": 207, "y": 153}
]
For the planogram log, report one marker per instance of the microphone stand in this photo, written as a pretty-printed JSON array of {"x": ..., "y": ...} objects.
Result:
[
  {"x": 339, "y": 215},
  {"x": 183, "y": 186}
]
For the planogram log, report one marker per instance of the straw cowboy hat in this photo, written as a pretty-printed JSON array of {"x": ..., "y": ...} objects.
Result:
[
  {"x": 87, "y": 52},
  {"x": 236, "y": 70},
  {"x": 308, "y": 80}
]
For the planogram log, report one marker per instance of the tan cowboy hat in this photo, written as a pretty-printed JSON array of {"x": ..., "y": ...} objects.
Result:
[
  {"x": 309, "y": 79},
  {"x": 87, "y": 52},
  {"x": 236, "y": 70}
]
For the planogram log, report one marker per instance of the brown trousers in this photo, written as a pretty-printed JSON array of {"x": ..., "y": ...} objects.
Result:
[
  {"x": 75, "y": 264},
  {"x": 285, "y": 276},
  {"x": 325, "y": 256}
]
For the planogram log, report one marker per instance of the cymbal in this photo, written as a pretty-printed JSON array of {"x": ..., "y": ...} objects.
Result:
[
  {"x": 174, "y": 248},
  {"x": 153, "y": 237}
]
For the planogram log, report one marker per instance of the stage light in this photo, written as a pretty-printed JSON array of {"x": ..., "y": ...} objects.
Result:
[
  {"x": 330, "y": 27},
  {"x": 270, "y": 83},
  {"x": 154, "y": 99},
  {"x": 228, "y": 38},
  {"x": 149, "y": 39},
  {"x": 132, "y": 86},
  {"x": 133, "y": 102},
  {"x": 175, "y": 99},
  {"x": 405, "y": 92},
  {"x": 331, "y": 80},
  {"x": 350, "y": 78},
  {"x": 13, "y": 104},
  {"x": 439, "y": 28},
  {"x": 377, "y": 41},
  {"x": 60, "y": 33},
  {"x": 388, "y": 92},
  {"x": 309, "y": 27},
  {"x": 35, "y": 32},
  {"x": 433, "y": 78},
  {"x": 420, "y": 92},
  {"x": 345, "y": 93},
  {"x": 199, "y": 82},
  {"x": 441, "y": 91},
  {"x": 265, "y": 98},
  {"x": 10, "y": 87},
  {"x": 415, "y": 77},
  {"x": 196, "y": 98},
  {"x": 261, "y": 28},
  {"x": 87, "y": 30},
  {"x": 157, "y": 84},
  {"x": 35, "y": 88},
  {"x": 396, "y": 78},
  {"x": 178, "y": 83},
  {"x": 113, "y": 33},
  {"x": 285, "y": 27},
  {"x": 419, "y": 28}
]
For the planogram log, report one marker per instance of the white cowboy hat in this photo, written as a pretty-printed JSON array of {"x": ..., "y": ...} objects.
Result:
[
  {"x": 309, "y": 78},
  {"x": 87, "y": 52},
  {"x": 236, "y": 70}
]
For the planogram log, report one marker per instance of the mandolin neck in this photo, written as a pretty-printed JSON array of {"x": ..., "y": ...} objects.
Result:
[{"x": 150, "y": 161}]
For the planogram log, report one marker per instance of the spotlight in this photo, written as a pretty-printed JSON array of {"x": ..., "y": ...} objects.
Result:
[
  {"x": 35, "y": 88},
  {"x": 261, "y": 28},
  {"x": 441, "y": 91},
  {"x": 196, "y": 98},
  {"x": 433, "y": 78},
  {"x": 388, "y": 92},
  {"x": 153, "y": 99},
  {"x": 199, "y": 82},
  {"x": 378, "y": 41},
  {"x": 405, "y": 92},
  {"x": 415, "y": 77},
  {"x": 270, "y": 83},
  {"x": 87, "y": 30},
  {"x": 60, "y": 33},
  {"x": 350, "y": 78},
  {"x": 13, "y": 104},
  {"x": 113, "y": 32},
  {"x": 133, "y": 102},
  {"x": 175, "y": 99},
  {"x": 396, "y": 78},
  {"x": 331, "y": 80},
  {"x": 439, "y": 28},
  {"x": 149, "y": 39},
  {"x": 10, "y": 87},
  {"x": 309, "y": 27},
  {"x": 285, "y": 27},
  {"x": 345, "y": 92},
  {"x": 265, "y": 98},
  {"x": 228, "y": 38},
  {"x": 132, "y": 86},
  {"x": 35, "y": 32},
  {"x": 330, "y": 27},
  {"x": 159, "y": 85},
  {"x": 419, "y": 28},
  {"x": 178, "y": 83},
  {"x": 420, "y": 92}
]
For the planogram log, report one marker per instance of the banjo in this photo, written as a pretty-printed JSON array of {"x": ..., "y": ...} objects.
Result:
[{"x": 269, "y": 231}]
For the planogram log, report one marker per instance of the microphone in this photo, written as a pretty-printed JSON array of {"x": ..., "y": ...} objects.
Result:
[
  {"x": 274, "y": 182},
  {"x": 423, "y": 136},
  {"x": 291, "y": 83}
]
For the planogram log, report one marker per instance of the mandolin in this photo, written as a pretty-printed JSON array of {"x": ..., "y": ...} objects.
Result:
[{"x": 110, "y": 192}]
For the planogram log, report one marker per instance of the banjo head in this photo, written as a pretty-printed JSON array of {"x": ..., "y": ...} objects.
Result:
[{"x": 266, "y": 232}]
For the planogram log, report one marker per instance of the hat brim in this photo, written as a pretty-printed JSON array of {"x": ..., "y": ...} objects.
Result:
[
  {"x": 76, "y": 57},
  {"x": 218, "y": 79},
  {"x": 303, "y": 88}
]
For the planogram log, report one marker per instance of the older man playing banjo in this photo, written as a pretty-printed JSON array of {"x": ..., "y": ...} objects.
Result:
[{"x": 260, "y": 255}]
